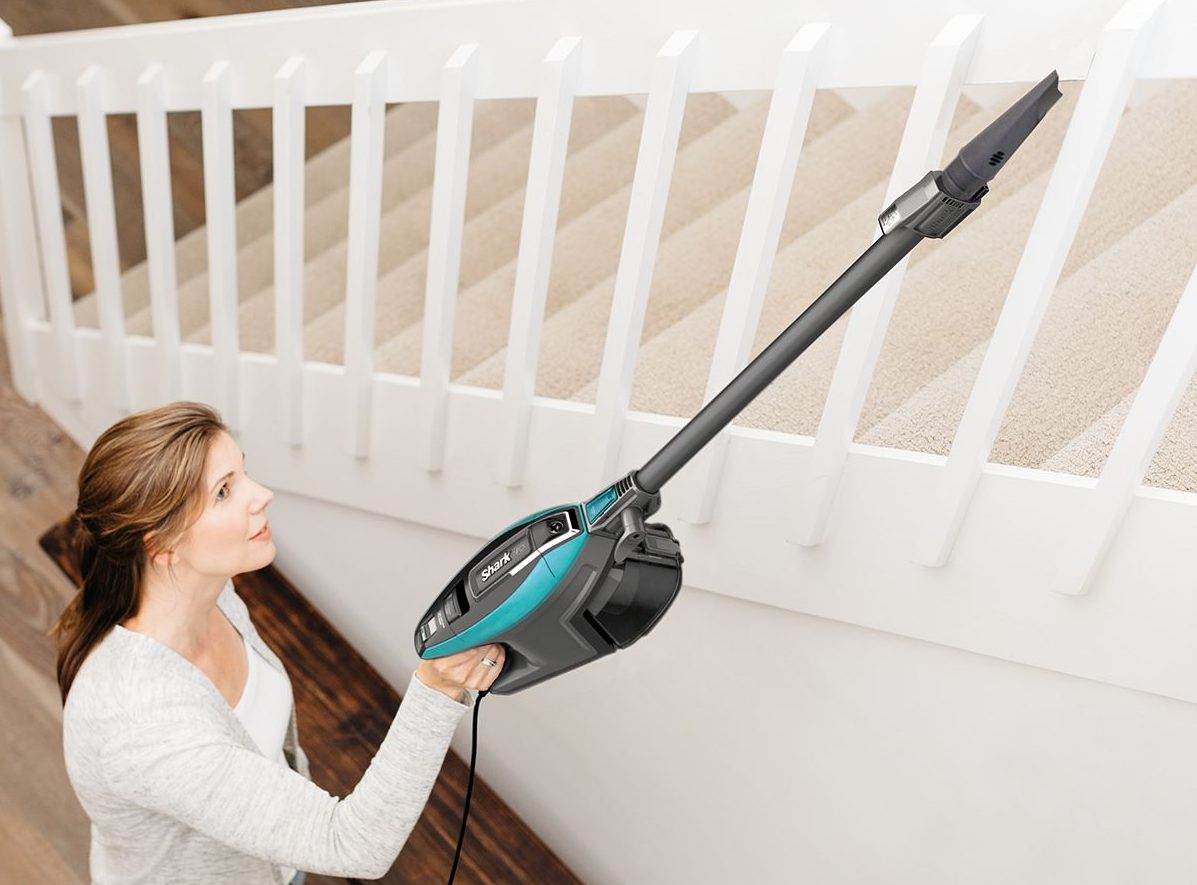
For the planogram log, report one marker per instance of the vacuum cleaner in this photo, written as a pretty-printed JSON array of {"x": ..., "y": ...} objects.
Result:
[{"x": 574, "y": 583}]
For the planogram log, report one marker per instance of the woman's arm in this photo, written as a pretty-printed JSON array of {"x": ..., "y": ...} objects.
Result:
[{"x": 181, "y": 766}]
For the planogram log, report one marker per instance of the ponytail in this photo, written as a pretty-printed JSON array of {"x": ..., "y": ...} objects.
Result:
[{"x": 108, "y": 596}]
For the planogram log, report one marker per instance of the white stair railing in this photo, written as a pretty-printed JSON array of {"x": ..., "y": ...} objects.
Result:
[
  {"x": 361, "y": 263},
  {"x": 935, "y": 100},
  {"x": 220, "y": 194},
  {"x": 154, "y": 152},
  {"x": 288, "y": 125},
  {"x": 101, "y": 219},
  {"x": 454, "y": 132},
  {"x": 43, "y": 174},
  {"x": 1090, "y": 134},
  {"x": 781, "y": 146},
  {"x": 637, "y": 259},
  {"x": 347, "y": 433},
  {"x": 546, "y": 169}
]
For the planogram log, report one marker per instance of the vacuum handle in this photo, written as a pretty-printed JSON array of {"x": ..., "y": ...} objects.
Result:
[
  {"x": 864, "y": 273},
  {"x": 931, "y": 208}
]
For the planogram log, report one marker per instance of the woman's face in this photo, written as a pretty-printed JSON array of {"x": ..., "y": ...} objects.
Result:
[{"x": 231, "y": 535}]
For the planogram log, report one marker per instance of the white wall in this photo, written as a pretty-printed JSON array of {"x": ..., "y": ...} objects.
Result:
[{"x": 744, "y": 743}]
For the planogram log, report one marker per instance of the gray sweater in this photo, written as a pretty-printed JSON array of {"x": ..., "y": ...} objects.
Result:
[{"x": 177, "y": 790}]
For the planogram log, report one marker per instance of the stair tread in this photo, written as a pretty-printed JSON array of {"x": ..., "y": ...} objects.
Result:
[
  {"x": 586, "y": 252},
  {"x": 324, "y": 173},
  {"x": 1132, "y": 225},
  {"x": 602, "y": 137},
  {"x": 868, "y": 137},
  {"x": 585, "y": 249},
  {"x": 403, "y": 228},
  {"x": 404, "y": 177},
  {"x": 802, "y": 269}
]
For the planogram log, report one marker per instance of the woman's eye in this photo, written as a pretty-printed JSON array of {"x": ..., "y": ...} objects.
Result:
[{"x": 223, "y": 488}]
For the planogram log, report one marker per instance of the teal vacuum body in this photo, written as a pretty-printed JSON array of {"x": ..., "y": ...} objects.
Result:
[
  {"x": 559, "y": 589},
  {"x": 574, "y": 583}
]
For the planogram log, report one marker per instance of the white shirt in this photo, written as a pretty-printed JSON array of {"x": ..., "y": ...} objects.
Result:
[
  {"x": 265, "y": 705},
  {"x": 265, "y": 710},
  {"x": 176, "y": 788}
]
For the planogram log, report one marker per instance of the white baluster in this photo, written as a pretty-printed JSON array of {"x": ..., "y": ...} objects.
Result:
[
  {"x": 43, "y": 172},
  {"x": 21, "y": 296},
  {"x": 546, "y": 169},
  {"x": 101, "y": 227},
  {"x": 650, "y": 189},
  {"x": 365, "y": 195},
  {"x": 1086, "y": 143},
  {"x": 1086, "y": 541},
  {"x": 153, "y": 147},
  {"x": 220, "y": 198},
  {"x": 772, "y": 183},
  {"x": 289, "y": 118},
  {"x": 455, "y": 124},
  {"x": 20, "y": 285},
  {"x": 935, "y": 101}
]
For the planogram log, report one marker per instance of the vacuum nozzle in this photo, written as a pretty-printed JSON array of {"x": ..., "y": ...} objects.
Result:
[{"x": 983, "y": 157}]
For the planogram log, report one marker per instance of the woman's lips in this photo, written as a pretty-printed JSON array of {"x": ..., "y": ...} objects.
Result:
[{"x": 263, "y": 535}]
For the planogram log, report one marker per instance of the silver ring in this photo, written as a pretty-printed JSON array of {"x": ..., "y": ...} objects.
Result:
[{"x": 489, "y": 662}]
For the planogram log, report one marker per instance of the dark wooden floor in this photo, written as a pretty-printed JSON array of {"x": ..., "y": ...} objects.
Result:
[{"x": 43, "y": 831}]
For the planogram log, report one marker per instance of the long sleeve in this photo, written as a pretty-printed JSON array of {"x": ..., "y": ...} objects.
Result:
[{"x": 180, "y": 764}]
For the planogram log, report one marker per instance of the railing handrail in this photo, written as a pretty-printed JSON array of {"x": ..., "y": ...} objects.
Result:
[{"x": 740, "y": 48}]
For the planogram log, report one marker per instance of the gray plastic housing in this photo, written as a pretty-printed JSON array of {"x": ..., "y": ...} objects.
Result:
[
  {"x": 927, "y": 210},
  {"x": 983, "y": 157}
]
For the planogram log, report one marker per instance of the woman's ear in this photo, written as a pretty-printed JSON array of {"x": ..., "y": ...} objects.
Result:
[{"x": 163, "y": 556}]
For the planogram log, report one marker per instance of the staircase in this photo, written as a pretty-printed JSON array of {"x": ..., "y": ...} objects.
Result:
[
  {"x": 991, "y": 454},
  {"x": 1115, "y": 295}
]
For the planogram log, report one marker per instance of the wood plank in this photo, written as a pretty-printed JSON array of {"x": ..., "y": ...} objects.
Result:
[{"x": 44, "y": 833}]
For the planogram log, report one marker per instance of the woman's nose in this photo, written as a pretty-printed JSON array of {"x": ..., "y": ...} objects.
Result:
[{"x": 265, "y": 496}]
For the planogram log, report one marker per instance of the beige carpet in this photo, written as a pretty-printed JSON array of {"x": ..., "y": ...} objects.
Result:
[{"x": 1121, "y": 281}]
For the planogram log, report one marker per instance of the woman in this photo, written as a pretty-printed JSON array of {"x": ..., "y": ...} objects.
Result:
[{"x": 178, "y": 724}]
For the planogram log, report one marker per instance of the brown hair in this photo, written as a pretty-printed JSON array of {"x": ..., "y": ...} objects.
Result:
[{"x": 138, "y": 493}]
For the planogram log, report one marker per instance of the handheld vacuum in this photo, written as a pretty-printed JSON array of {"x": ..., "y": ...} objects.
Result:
[{"x": 574, "y": 583}]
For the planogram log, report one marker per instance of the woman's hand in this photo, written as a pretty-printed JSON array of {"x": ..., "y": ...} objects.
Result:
[{"x": 453, "y": 673}]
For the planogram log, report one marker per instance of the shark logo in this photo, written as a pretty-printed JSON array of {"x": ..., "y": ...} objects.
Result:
[{"x": 495, "y": 566}]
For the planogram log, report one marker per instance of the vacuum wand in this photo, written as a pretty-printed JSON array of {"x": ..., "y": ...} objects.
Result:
[
  {"x": 576, "y": 582},
  {"x": 931, "y": 208}
]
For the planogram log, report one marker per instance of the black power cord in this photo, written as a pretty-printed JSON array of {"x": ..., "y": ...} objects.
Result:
[{"x": 465, "y": 814}]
